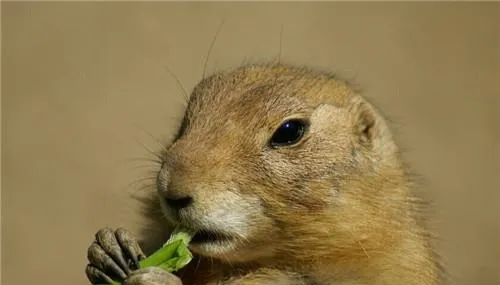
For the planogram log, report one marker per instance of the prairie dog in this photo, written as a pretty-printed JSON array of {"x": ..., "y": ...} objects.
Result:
[{"x": 290, "y": 177}]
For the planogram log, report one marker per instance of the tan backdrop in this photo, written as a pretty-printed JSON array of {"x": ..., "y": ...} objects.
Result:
[{"x": 84, "y": 86}]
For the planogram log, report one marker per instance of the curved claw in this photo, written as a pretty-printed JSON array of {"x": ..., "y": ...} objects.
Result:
[
  {"x": 129, "y": 244},
  {"x": 108, "y": 241},
  {"x": 100, "y": 259},
  {"x": 96, "y": 276}
]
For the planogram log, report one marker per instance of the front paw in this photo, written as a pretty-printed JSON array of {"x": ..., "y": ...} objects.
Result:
[
  {"x": 152, "y": 276},
  {"x": 114, "y": 255}
]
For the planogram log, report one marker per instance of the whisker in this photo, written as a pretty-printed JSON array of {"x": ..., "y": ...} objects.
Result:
[
  {"x": 157, "y": 140},
  {"x": 363, "y": 248},
  {"x": 242, "y": 239},
  {"x": 360, "y": 244},
  {"x": 155, "y": 154},
  {"x": 197, "y": 265},
  {"x": 281, "y": 42},
  {"x": 150, "y": 169},
  {"x": 150, "y": 188},
  {"x": 155, "y": 61},
  {"x": 155, "y": 162},
  {"x": 179, "y": 83},
  {"x": 136, "y": 194},
  {"x": 210, "y": 48},
  {"x": 151, "y": 179},
  {"x": 141, "y": 159},
  {"x": 228, "y": 261},
  {"x": 156, "y": 212}
]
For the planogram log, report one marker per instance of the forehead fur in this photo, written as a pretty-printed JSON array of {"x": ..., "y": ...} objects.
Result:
[{"x": 261, "y": 95}]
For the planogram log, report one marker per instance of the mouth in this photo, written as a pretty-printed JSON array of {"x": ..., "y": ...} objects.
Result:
[
  {"x": 222, "y": 245},
  {"x": 207, "y": 236}
]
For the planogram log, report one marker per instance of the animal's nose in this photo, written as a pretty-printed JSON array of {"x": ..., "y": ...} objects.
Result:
[{"x": 178, "y": 203}]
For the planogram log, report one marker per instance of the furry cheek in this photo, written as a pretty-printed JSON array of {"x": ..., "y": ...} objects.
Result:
[{"x": 230, "y": 211}]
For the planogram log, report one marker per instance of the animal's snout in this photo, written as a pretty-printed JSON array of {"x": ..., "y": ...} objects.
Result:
[
  {"x": 175, "y": 195},
  {"x": 178, "y": 203}
]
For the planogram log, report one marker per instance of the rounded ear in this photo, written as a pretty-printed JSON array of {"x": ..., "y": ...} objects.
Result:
[
  {"x": 371, "y": 129},
  {"x": 365, "y": 123},
  {"x": 366, "y": 126}
]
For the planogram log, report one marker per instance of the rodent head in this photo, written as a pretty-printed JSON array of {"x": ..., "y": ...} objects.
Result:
[{"x": 275, "y": 160}]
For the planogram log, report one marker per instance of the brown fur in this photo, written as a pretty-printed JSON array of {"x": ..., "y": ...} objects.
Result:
[{"x": 337, "y": 208}]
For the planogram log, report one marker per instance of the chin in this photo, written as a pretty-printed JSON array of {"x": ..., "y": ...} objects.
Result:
[{"x": 227, "y": 248}]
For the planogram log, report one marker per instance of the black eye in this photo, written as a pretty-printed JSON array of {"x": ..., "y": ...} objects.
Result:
[{"x": 290, "y": 132}]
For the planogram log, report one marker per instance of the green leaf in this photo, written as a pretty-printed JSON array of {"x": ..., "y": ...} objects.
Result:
[{"x": 158, "y": 257}]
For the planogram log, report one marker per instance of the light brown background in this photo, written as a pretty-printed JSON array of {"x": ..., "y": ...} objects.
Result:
[{"x": 85, "y": 84}]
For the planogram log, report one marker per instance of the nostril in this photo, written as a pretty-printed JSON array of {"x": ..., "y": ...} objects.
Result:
[{"x": 179, "y": 203}]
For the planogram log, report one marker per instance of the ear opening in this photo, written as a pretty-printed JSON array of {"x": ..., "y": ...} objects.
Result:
[{"x": 365, "y": 123}]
